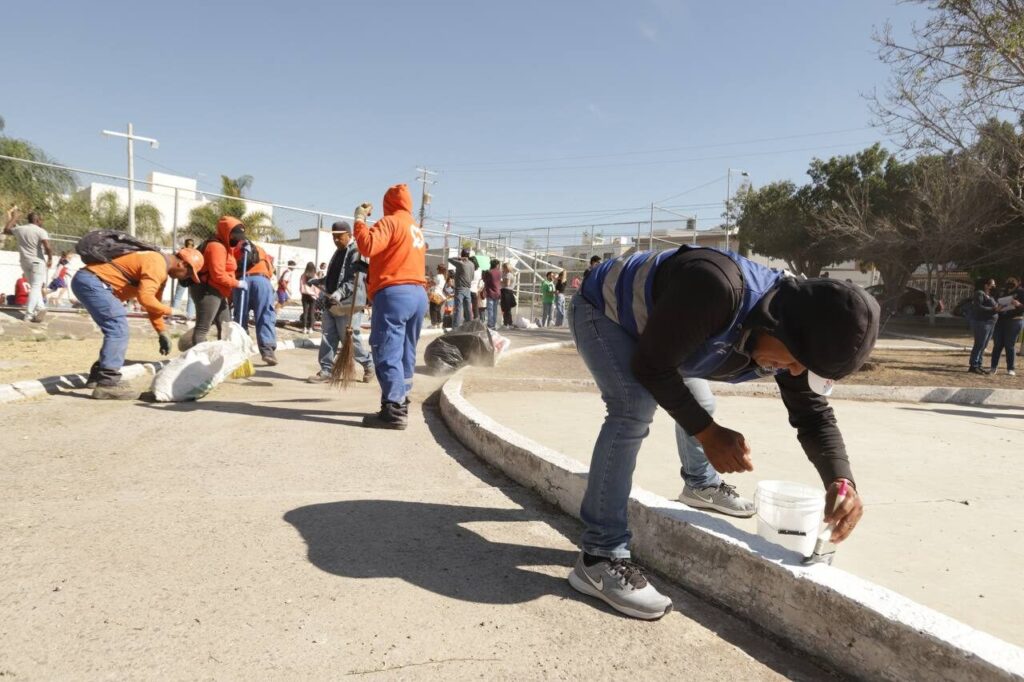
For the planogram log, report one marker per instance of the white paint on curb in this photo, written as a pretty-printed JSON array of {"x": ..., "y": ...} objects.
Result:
[
  {"x": 20, "y": 390},
  {"x": 860, "y": 628}
]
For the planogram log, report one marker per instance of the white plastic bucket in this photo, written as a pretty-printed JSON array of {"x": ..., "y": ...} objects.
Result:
[{"x": 789, "y": 514}]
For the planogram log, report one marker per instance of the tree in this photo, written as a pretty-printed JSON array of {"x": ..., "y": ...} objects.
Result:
[
  {"x": 258, "y": 225},
  {"x": 863, "y": 201},
  {"x": 963, "y": 74},
  {"x": 27, "y": 185},
  {"x": 109, "y": 214},
  {"x": 777, "y": 221}
]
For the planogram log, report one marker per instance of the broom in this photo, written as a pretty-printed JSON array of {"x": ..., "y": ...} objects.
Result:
[
  {"x": 344, "y": 368},
  {"x": 245, "y": 370}
]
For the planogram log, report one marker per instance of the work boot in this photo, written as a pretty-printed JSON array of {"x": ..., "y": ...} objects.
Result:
[
  {"x": 621, "y": 584},
  {"x": 119, "y": 391},
  {"x": 94, "y": 372},
  {"x": 319, "y": 378},
  {"x": 721, "y": 498},
  {"x": 269, "y": 357},
  {"x": 367, "y": 375},
  {"x": 391, "y": 416}
]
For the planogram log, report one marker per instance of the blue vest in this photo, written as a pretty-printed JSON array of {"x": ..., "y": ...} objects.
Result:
[{"x": 623, "y": 290}]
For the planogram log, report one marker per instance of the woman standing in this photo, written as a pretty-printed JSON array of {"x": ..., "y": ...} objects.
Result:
[
  {"x": 983, "y": 321},
  {"x": 1008, "y": 326},
  {"x": 309, "y": 296},
  {"x": 560, "y": 299},
  {"x": 436, "y": 296},
  {"x": 509, "y": 279}
]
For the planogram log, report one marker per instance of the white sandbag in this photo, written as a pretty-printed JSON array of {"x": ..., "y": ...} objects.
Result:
[
  {"x": 202, "y": 367},
  {"x": 500, "y": 343},
  {"x": 523, "y": 323}
]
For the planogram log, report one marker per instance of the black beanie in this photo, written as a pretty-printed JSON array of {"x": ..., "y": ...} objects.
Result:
[{"x": 829, "y": 326}]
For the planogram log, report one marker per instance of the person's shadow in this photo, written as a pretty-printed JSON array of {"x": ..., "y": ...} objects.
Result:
[{"x": 425, "y": 545}]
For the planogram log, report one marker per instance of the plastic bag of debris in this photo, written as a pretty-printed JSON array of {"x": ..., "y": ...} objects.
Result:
[
  {"x": 194, "y": 374},
  {"x": 470, "y": 343}
]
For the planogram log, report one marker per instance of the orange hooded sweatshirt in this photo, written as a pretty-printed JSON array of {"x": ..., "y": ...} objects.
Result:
[
  {"x": 265, "y": 267},
  {"x": 146, "y": 268},
  {"x": 394, "y": 244},
  {"x": 219, "y": 263}
]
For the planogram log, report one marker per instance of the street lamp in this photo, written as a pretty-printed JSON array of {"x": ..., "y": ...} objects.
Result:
[
  {"x": 728, "y": 197},
  {"x": 131, "y": 137}
]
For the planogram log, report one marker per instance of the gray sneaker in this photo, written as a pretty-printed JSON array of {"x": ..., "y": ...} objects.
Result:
[
  {"x": 722, "y": 499},
  {"x": 319, "y": 378},
  {"x": 622, "y": 585}
]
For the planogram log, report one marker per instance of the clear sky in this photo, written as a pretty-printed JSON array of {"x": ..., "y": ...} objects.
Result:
[{"x": 550, "y": 109}]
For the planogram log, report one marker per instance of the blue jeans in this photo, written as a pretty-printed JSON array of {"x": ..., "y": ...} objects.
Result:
[
  {"x": 545, "y": 315},
  {"x": 559, "y": 309},
  {"x": 608, "y": 351},
  {"x": 1005, "y": 336},
  {"x": 982, "y": 331},
  {"x": 492, "y": 312},
  {"x": 395, "y": 326},
  {"x": 179, "y": 292},
  {"x": 333, "y": 332},
  {"x": 111, "y": 316},
  {"x": 463, "y": 307},
  {"x": 259, "y": 299}
]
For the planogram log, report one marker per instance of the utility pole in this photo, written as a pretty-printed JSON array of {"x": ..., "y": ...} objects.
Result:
[
  {"x": 728, "y": 198},
  {"x": 131, "y": 137},
  {"x": 425, "y": 197}
]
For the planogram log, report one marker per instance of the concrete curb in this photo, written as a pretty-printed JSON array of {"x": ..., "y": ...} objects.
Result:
[
  {"x": 859, "y": 628},
  {"x": 30, "y": 388}
]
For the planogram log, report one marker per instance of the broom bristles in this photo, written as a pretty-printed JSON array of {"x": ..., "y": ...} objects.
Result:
[{"x": 344, "y": 368}]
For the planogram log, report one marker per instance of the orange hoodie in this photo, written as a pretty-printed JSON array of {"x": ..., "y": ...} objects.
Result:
[
  {"x": 394, "y": 244},
  {"x": 219, "y": 263},
  {"x": 149, "y": 269},
  {"x": 265, "y": 267}
]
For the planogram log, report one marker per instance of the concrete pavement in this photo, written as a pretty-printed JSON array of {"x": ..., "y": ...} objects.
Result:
[
  {"x": 941, "y": 482},
  {"x": 262, "y": 533}
]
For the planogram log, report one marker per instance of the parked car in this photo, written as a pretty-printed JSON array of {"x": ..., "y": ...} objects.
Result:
[{"x": 912, "y": 301}]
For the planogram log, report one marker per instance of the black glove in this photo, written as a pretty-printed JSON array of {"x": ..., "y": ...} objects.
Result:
[
  {"x": 361, "y": 266},
  {"x": 165, "y": 344}
]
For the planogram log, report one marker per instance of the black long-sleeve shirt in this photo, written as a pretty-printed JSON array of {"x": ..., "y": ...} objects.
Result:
[{"x": 695, "y": 297}]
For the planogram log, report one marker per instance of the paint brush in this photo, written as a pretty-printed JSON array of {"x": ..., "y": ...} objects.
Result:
[{"x": 824, "y": 548}]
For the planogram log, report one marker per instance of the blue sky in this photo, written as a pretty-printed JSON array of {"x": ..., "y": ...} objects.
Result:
[{"x": 543, "y": 108}]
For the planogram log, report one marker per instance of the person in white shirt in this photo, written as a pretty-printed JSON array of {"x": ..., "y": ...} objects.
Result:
[{"x": 36, "y": 259}]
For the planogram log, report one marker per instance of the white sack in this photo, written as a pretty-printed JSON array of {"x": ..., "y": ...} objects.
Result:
[{"x": 201, "y": 368}]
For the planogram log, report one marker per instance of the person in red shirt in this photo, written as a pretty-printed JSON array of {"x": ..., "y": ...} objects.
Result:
[
  {"x": 397, "y": 256},
  {"x": 21, "y": 289}
]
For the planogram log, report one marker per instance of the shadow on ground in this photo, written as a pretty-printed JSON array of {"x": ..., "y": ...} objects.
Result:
[{"x": 428, "y": 545}]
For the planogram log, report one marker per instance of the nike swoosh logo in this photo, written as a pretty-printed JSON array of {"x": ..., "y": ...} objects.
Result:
[{"x": 599, "y": 583}]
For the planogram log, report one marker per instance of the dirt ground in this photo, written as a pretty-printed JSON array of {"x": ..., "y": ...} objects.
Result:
[
  {"x": 886, "y": 368},
  {"x": 69, "y": 344}
]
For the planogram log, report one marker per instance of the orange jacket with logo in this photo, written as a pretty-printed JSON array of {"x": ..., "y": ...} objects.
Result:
[
  {"x": 394, "y": 244},
  {"x": 149, "y": 270},
  {"x": 265, "y": 267},
  {"x": 219, "y": 263}
]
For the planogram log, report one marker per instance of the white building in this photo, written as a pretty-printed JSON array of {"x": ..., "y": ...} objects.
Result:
[{"x": 172, "y": 195}]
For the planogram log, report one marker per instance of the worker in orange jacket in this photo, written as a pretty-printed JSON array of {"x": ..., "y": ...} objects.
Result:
[
  {"x": 102, "y": 287},
  {"x": 217, "y": 279},
  {"x": 258, "y": 295},
  {"x": 397, "y": 256}
]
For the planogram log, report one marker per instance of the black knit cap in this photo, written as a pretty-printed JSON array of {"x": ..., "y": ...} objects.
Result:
[
  {"x": 829, "y": 326},
  {"x": 341, "y": 226}
]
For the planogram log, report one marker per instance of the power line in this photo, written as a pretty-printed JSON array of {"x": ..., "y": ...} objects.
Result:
[
  {"x": 668, "y": 161},
  {"x": 471, "y": 165}
]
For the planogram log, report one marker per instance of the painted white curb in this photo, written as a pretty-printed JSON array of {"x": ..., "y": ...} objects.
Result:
[
  {"x": 20, "y": 390},
  {"x": 859, "y": 628}
]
